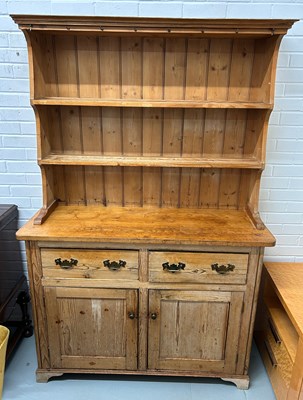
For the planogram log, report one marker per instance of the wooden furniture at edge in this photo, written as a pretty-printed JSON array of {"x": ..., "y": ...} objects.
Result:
[
  {"x": 279, "y": 328},
  {"x": 146, "y": 255}
]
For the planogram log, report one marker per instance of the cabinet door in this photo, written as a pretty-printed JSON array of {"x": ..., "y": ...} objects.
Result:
[
  {"x": 194, "y": 330},
  {"x": 92, "y": 328}
]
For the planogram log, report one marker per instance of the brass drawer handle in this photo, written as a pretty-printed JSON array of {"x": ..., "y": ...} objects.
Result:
[
  {"x": 271, "y": 355},
  {"x": 114, "y": 265},
  {"x": 222, "y": 269},
  {"x": 273, "y": 330},
  {"x": 66, "y": 264},
  {"x": 173, "y": 267}
]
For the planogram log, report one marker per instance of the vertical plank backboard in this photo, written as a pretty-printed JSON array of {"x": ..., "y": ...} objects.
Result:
[
  {"x": 209, "y": 187},
  {"x": 171, "y": 187},
  {"x": 132, "y": 145},
  {"x": 235, "y": 134},
  {"x": 214, "y": 130},
  {"x": 219, "y": 69},
  {"x": 196, "y": 69},
  {"x": 153, "y": 68},
  {"x": 112, "y": 145},
  {"x": 49, "y": 66},
  {"x": 67, "y": 65},
  {"x": 265, "y": 58},
  {"x": 110, "y": 87},
  {"x": 75, "y": 185},
  {"x": 193, "y": 132},
  {"x": 229, "y": 188},
  {"x": 172, "y": 147},
  {"x": 241, "y": 69},
  {"x": 190, "y": 187},
  {"x": 152, "y": 125},
  {"x": 87, "y": 52},
  {"x": 131, "y": 64},
  {"x": 175, "y": 69},
  {"x": 110, "y": 67},
  {"x": 256, "y": 136}
]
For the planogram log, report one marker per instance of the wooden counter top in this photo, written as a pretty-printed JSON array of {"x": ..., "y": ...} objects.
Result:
[
  {"x": 288, "y": 281},
  {"x": 148, "y": 225}
]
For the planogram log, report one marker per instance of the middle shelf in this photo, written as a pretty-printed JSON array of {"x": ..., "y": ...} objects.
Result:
[
  {"x": 156, "y": 137},
  {"x": 148, "y": 103},
  {"x": 144, "y": 161}
]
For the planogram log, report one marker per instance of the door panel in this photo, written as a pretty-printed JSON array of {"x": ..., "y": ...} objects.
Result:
[
  {"x": 91, "y": 328},
  {"x": 194, "y": 330}
]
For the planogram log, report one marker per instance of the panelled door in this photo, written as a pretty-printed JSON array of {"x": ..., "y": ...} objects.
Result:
[
  {"x": 92, "y": 328},
  {"x": 194, "y": 330}
]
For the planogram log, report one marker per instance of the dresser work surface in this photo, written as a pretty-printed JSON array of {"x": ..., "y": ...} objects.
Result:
[{"x": 146, "y": 255}]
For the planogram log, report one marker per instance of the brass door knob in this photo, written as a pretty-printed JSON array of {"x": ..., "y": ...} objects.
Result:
[{"x": 153, "y": 315}]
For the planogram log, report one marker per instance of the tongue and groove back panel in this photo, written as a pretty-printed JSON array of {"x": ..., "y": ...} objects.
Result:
[
  {"x": 152, "y": 141},
  {"x": 148, "y": 186},
  {"x": 210, "y": 69}
]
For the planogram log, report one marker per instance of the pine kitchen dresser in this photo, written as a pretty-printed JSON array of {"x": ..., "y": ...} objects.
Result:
[{"x": 146, "y": 255}]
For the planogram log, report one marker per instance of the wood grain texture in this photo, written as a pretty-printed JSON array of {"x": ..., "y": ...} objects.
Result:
[
  {"x": 93, "y": 102},
  {"x": 151, "y": 139},
  {"x": 279, "y": 317},
  {"x": 134, "y": 225},
  {"x": 90, "y": 264},
  {"x": 290, "y": 290},
  {"x": 35, "y": 275},
  {"x": 233, "y": 27},
  {"x": 296, "y": 383},
  {"x": 85, "y": 322},
  {"x": 198, "y": 267},
  {"x": 193, "y": 330}
]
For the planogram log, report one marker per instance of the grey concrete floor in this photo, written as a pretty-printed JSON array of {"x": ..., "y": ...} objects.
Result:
[{"x": 20, "y": 384}]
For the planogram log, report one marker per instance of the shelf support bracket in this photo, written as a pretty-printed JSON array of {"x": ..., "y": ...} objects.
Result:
[
  {"x": 255, "y": 218},
  {"x": 44, "y": 213}
]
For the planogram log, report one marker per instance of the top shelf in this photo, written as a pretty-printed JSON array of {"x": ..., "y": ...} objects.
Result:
[
  {"x": 144, "y": 103},
  {"x": 160, "y": 26}
]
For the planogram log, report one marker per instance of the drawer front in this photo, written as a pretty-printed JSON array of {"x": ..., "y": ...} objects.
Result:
[
  {"x": 278, "y": 353},
  {"x": 90, "y": 264},
  {"x": 275, "y": 367},
  {"x": 195, "y": 267}
]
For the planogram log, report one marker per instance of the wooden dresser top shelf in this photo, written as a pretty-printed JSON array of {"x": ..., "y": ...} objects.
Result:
[
  {"x": 161, "y": 26},
  {"x": 288, "y": 282},
  {"x": 148, "y": 225}
]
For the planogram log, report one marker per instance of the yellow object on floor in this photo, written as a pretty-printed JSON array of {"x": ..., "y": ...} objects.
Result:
[{"x": 4, "y": 334}]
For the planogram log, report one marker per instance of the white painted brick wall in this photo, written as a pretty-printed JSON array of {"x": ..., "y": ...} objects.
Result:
[{"x": 281, "y": 197}]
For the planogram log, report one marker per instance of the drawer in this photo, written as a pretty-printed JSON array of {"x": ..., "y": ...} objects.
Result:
[
  {"x": 90, "y": 264},
  {"x": 193, "y": 267},
  {"x": 276, "y": 366},
  {"x": 278, "y": 351}
]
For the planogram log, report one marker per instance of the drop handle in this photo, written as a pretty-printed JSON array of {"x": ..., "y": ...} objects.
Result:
[
  {"x": 173, "y": 267},
  {"x": 222, "y": 269},
  {"x": 114, "y": 265},
  {"x": 66, "y": 264},
  {"x": 153, "y": 315},
  {"x": 131, "y": 315}
]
